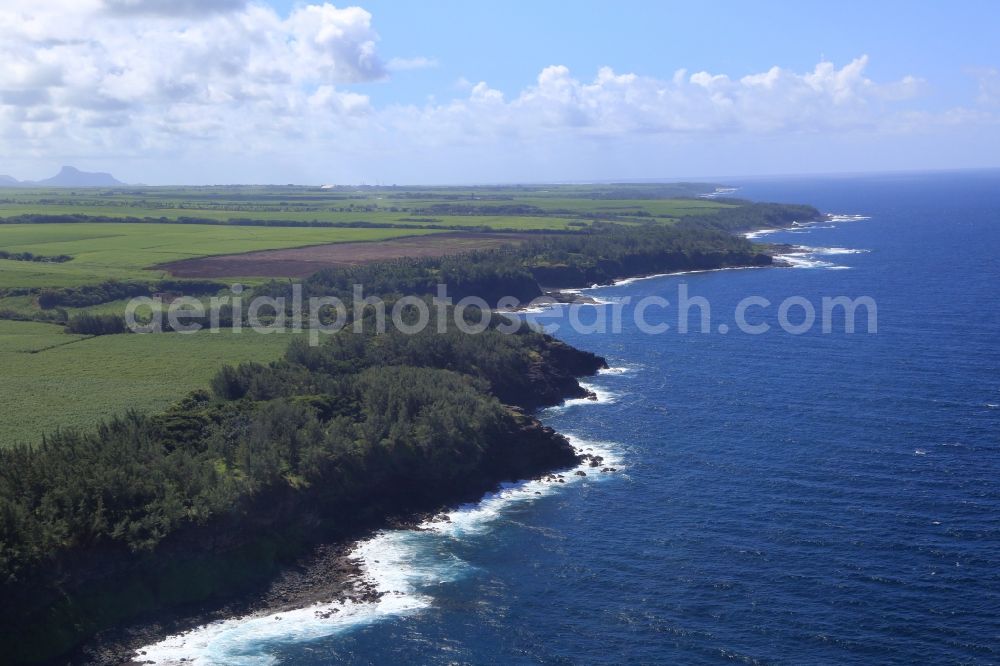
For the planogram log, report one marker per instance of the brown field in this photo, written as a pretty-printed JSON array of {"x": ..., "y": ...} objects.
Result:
[{"x": 304, "y": 261}]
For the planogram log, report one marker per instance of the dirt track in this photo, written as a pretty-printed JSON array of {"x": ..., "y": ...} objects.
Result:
[{"x": 304, "y": 261}]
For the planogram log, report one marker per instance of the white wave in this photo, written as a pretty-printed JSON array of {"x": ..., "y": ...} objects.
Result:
[
  {"x": 545, "y": 308},
  {"x": 595, "y": 301},
  {"x": 402, "y": 565},
  {"x": 719, "y": 192},
  {"x": 919, "y": 452},
  {"x": 808, "y": 257},
  {"x": 476, "y": 518},
  {"x": 803, "y": 260},
  {"x": 751, "y": 235},
  {"x": 833, "y": 217},
  {"x": 602, "y": 396},
  {"x": 836, "y": 250},
  {"x": 539, "y": 308},
  {"x": 610, "y": 451},
  {"x": 806, "y": 227},
  {"x": 631, "y": 280},
  {"x": 248, "y": 640},
  {"x": 619, "y": 370},
  {"x": 992, "y": 405}
]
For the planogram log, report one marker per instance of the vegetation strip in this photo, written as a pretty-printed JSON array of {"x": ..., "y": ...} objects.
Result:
[{"x": 147, "y": 512}]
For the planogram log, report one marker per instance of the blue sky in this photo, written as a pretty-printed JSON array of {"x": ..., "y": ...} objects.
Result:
[
  {"x": 215, "y": 91},
  {"x": 507, "y": 43}
]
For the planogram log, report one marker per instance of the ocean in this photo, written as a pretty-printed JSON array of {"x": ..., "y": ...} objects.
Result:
[{"x": 779, "y": 498}]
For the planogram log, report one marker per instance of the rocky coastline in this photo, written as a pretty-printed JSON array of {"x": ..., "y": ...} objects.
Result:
[
  {"x": 284, "y": 552},
  {"x": 304, "y": 562}
]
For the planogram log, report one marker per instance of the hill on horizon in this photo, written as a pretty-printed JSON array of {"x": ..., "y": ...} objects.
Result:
[{"x": 68, "y": 176}]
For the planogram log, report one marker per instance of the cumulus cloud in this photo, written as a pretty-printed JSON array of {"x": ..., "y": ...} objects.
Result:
[
  {"x": 172, "y": 7},
  {"x": 559, "y": 111},
  {"x": 823, "y": 99},
  {"x": 167, "y": 68},
  {"x": 157, "y": 79}
]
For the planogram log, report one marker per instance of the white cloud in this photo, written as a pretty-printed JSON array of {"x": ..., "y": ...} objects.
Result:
[
  {"x": 778, "y": 100},
  {"x": 172, "y": 7},
  {"x": 234, "y": 81},
  {"x": 157, "y": 73}
]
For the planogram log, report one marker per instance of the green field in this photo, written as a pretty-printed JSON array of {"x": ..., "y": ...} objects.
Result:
[
  {"x": 111, "y": 250},
  {"x": 102, "y": 251},
  {"x": 74, "y": 381},
  {"x": 375, "y": 216},
  {"x": 539, "y": 207},
  {"x": 50, "y": 379}
]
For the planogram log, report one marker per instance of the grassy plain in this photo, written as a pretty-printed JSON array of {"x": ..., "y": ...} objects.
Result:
[
  {"x": 102, "y": 251},
  {"x": 53, "y": 380},
  {"x": 517, "y": 208},
  {"x": 50, "y": 379},
  {"x": 377, "y": 215}
]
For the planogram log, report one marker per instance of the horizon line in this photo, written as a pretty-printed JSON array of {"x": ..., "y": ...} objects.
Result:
[{"x": 712, "y": 180}]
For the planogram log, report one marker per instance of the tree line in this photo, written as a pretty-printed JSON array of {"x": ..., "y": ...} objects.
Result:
[
  {"x": 597, "y": 255},
  {"x": 360, "y": 411},
  {"x": 402, "y": 223},
  {"x": 28, "y": 256},
  {"x": 364, "y": 425}
]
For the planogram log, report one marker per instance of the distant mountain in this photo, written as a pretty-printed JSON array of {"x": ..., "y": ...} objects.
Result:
[
  {"x": 67, "y": 177},
  {"x": 72, "y": 177}
]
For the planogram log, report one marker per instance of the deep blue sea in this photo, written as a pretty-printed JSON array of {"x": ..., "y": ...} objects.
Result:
[{"x": 813, "y": 498}]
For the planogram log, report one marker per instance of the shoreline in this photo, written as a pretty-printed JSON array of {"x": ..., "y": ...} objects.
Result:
[
  {"x": 331, "y": 578},
  {"x": 575, "y": 295},
  {"x": 791, "y": 255},
  {"x": 330, "y": 573},
  {"x": 365, "y": 594}
]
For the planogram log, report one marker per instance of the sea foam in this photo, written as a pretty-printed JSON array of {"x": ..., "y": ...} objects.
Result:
[
  {"x": 619, "y": 370},
  {"x": 627, "y": 281},
  {"x": 808, "y": 257},
  {"x": 404, "y": 566},
  {"x": 602, "y": 396},
  {"x": 806, "y": 227}
]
